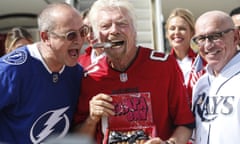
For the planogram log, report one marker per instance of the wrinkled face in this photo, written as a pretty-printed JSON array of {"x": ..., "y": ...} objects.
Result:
[
  {"x": 66, "y": 39},
  {"x": 179, "y": 33},
  {"x": 115, "y": 26},
  {"x": 216, "y": 49}
]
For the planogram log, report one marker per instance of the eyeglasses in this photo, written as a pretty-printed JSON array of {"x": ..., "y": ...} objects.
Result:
[
  {"x": 201, "y": 40},
  {"x": 72, "y": 35}
]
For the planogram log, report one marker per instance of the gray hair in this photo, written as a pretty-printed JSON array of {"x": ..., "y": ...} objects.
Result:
[
  {"x": 46, "y": 20},
  {"x": 102, "y": 4}
]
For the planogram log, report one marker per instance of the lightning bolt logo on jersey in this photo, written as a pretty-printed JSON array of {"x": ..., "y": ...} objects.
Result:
[
  {"x": 16, "y": 58},
  {"x": 48, "y": 121},
  {"x": 33, "y": 105}
]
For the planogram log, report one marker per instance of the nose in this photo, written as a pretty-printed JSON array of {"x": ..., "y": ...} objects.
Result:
[
  {"x": 208, "y": 43},
  {"x": 114, "y": 29},
  {"x": 79, "y": 40},
  {"x": 176, "y": 30}
]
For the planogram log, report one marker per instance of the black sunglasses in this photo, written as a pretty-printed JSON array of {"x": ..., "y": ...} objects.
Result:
[
  {"x": 211, "y": 37},
  {"x": 72, "y": 35}
]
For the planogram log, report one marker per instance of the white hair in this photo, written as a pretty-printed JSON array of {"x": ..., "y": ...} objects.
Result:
[{"x": 103, "y": 4}]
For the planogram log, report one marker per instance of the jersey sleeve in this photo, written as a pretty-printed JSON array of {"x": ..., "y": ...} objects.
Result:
[
  {"x": 179, "y": 105},
  {"x": 8, "y": 87}
]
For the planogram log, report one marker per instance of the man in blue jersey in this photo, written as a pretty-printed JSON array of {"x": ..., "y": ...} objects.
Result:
[{"x": 40, "y": 83}]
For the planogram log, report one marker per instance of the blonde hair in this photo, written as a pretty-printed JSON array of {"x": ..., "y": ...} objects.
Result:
[
  {"x": 184, "y": 14},
  {"x": 14, "y": 35}
]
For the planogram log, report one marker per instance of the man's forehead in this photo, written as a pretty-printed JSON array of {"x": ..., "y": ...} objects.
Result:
[
  {"x": 208, "y": 27},
  {"x": 236, "y": 19}
]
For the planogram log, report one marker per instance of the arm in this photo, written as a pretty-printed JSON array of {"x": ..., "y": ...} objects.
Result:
[
  {"x": 100, "y": 105},
  {"x": 88, "y": 127},
  {"x": 181, "y": 135},
  {"x": 179, "y": 109}
]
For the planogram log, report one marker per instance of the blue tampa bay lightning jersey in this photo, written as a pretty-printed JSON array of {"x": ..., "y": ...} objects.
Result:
[{"x": 34, "y": 102}]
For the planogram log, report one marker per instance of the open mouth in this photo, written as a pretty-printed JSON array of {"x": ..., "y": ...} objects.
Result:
[
  {"x": 117, "y": 43},
  {"x": 113, "y": 44},
  {"x": 74, "y": 53}
]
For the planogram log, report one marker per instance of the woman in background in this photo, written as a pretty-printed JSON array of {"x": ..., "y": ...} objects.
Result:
[
  {"x": 17, "y": 37},
  {"x": 179, "y": 31}
]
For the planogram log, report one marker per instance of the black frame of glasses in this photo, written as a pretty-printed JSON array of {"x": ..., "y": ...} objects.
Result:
[{"x": 211, "y": 36}]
